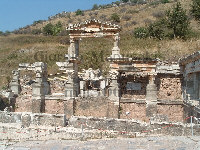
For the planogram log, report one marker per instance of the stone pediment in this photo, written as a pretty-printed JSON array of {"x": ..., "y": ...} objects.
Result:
[{"x": 92, "y": 26}]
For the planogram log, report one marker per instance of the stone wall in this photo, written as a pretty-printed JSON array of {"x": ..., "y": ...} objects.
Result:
[
  {"x": 23, "y": 103},
  {"x": 174, "y": 113},
  {"x": 54, "y": 106},
  {"x": 169, "y": 87},
  {"x": 134, "y": 94},
  {"x": 27, "y": 119},
  {"x": 132, "y": 126},
  {"x": 133, "y": 111},
  {"x": 97, "y": 107}
]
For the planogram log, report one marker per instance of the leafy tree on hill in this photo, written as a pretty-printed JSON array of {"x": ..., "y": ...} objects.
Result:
[
  {"x": 51, "y": 29},
  {"x": 48, "y": 29},
  {"x": 95, "y": 6},
  {"x": 178, "y": 21},
  {"x": 195, "y": 9},
  {"x": 79, "y": 12},
  {"x": 57, "y": 28},
  {"x": 115, "y": 17}
]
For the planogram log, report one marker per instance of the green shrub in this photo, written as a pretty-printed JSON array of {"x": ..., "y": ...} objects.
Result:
[
  {"x": 157, "y": 29},
  {"x": 195, "y": 9},
  {"x": 48, "y": 29},
  {"x": 141, "y": 32},
  {"x": 57, "y": 28},
  {"x": 115, "y": 17},
  {"x": 164, "y": 1},
  {"x": 79, "y": 12}
]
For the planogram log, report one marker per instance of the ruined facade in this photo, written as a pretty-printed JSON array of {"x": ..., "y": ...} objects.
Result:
[{"x": 134, "y": 88}]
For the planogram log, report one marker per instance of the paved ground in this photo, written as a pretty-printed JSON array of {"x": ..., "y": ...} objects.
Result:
[{"x": 148, "y": 143}]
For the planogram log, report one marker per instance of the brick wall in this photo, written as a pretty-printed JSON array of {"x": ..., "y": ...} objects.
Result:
[
  {"x": 175, "y": 113},
  {"x": 97, "y": 107},
  {"x": 136, "y": 111},
  {"x": 169, "y": 87},
  {"x": 54, "y": 106}
]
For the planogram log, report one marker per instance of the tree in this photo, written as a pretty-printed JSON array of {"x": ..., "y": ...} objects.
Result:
[
  {"x": 178, "y": 21},
  {"x": 158, "y": 29},
  {"x": 79, "y": 12},
  {"x": 95, "y": 6},
  {"x": 115, "y": 17},
  {"x": 48, "y": 29},
  {"x": 195, "y": 9},
  {"x": 57, "y": 28}
]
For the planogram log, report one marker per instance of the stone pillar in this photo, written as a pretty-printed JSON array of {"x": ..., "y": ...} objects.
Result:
[
  {"x": 151, "y": 97},
  {"x": 114, "y": 90},
  {"x": 73, "y": 50},
  {"x": 103, "y": 87},
  {"x": 15, "y": 83},
  {"x": 38, "y": 97},
  {"x": 72, "y": 86},
  {"x": 82, "y": 88},
  {"x": 116, "y": 50}
]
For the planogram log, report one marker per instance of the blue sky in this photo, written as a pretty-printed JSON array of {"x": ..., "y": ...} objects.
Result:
[{"x": 19, "y": 13}]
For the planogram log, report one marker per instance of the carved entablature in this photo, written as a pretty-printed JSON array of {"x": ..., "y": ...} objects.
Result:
[
  {"x": 91, "y": 74},
  {"x": 92, "y": 28}
]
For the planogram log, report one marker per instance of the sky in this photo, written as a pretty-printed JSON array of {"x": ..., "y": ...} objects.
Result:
[{"x": 15, "y": 14}]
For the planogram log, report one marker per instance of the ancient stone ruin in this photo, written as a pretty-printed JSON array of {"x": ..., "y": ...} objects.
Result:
[{"x": 140, "y": 89}]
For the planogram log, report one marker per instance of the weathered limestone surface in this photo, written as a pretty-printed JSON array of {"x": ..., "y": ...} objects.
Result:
[
  {"x": 97, "y": 107},
  {"x": 54, "y": 106},
  {"x": 133, "y": 111},
  {"x": 174, "y": 113},
  {"x": 26, "y": 119},
  {"x": 169, "y": 87},
  {"x": 124, "y": 125}
]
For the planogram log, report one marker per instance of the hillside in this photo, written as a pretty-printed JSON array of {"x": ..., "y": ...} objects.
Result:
[{"x": 15, "y": 49}]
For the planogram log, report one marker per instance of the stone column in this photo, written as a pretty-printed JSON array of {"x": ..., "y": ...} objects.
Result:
[
  {"x": 151, "y": 97},
  {"x": 114, "y": 90},
  {"x": 103, "y": 87},
  {"x": 38, "y": 97},
  {"x": 116, "y": 50},
  {"x": 72, "y": 86},
  {"x": 15, "y": 83},
  {"x": 73, "y": 50},
  {"x": 82, "y": 88}
]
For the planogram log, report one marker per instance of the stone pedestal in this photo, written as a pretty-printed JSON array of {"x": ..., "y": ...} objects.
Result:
[
  {"x": 151, "y": 93},
  {"x": 15, "y": 83},
  {"x": 71, "y": 90},
  {"x": 38, "y": 95},
  {"x": 151, "y": 98},
  {"x": 37, "y": 89},
  {"x": 15, "y": 87},
  {"x": 114, "y": 90}
]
